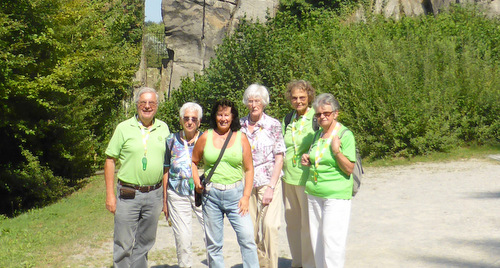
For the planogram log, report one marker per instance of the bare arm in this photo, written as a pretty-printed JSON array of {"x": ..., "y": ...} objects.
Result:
[
  {"x": 196, "y": 158},
  {"x": 109, "y": 177},
  {"x": 345, "y": 164},
  {"x": 248, "y": 167},
  {"x": 278, "y": 165}
]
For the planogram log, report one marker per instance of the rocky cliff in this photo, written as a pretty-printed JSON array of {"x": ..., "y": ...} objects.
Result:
[{"x": 193, "y": 28}]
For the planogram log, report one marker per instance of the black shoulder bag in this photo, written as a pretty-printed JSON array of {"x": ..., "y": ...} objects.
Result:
[{"x": 204, "y": 181}]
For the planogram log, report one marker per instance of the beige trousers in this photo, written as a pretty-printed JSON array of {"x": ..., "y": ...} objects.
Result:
[
  {"x": 297, "y": 225},
  {"x": 266, "y": 223}
]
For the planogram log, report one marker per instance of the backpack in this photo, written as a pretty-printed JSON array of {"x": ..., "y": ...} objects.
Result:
[
  {"x": 357, "y": 172},
  {"x": 288, "y": 119}
]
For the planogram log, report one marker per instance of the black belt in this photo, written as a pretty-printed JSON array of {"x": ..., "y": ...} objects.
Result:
[{"x": 142, "y": 189}]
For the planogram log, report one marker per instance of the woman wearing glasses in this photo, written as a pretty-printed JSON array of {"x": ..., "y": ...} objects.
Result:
[
  {"x": 329, "y": 187},
  {"x": 267, "y": 145},
  {"x": 178, "y": 180},
  {"x": 298, "y": 135}
]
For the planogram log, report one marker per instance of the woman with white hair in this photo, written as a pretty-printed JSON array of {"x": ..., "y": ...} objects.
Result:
[
  {"x": 178, "y": 185},
  {"x": 329, "y": 187},
  {"x": 267, "y": 145}
]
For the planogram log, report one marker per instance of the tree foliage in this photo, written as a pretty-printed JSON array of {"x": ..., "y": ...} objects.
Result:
[
  {"x": 66, "y": 66},
  {"x": 406, "y": 87}
]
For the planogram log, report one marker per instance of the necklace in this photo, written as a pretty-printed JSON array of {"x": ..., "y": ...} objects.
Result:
[
  {"x": 320, "y": 151},
  {"x": 223, "y": 136},
  {"x": 296, "y": 157},
  {"x": 145, "y": 136}
]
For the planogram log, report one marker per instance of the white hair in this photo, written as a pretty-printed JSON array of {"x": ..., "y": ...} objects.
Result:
[
  {"x": 143, "y": 90},
  {"x": 191, "y": 106},
  {"x": 256, "y": 91},
  {"x": 324, "y": 99}
]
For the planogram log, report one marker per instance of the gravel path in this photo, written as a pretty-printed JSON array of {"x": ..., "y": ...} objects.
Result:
[{"x": 423, "y": 215}]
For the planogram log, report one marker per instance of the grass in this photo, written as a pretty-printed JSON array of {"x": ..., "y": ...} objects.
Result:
[
  {"x": 61, "y": 234},
  {"x": 480, "y": 152},
  {"x": 46, "y": 237}
]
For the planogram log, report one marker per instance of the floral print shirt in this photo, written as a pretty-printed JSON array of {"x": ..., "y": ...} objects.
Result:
[{"x": 266, "y": 141}]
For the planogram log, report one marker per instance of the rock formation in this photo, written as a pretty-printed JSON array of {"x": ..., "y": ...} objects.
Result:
[{"x": 193, "y": 28}]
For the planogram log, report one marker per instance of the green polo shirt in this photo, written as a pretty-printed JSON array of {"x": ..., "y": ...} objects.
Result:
[
  {"x": 298, "y": 174},
  {"x": 127, "y": 146},
  {"x": 331, "y": 181}
]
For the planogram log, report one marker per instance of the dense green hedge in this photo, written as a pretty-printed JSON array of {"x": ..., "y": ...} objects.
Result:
[{"x": 406, "y": 87}]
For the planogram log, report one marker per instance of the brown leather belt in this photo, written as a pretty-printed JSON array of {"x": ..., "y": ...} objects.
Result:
[{"x": 142, "y": 189}]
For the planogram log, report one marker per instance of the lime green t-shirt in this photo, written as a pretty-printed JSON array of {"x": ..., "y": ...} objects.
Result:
[
  {"x": 295, "y": 173},
  {"x": 127, "y": 146},
  {"x": 230, "y": 168},
  {"x": 332, "y": 182}
]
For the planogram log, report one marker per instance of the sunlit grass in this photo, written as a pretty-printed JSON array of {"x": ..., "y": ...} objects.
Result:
[
  {"x": 480, "y": 152},
  {"x": 47, "y": 236}
]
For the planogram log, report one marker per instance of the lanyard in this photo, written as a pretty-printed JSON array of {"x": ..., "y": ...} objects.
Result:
[
  {"x": 295, "y": 145},
  {"x": 186, "y": 147},
  {"x": 255, "y": 136},
  {"x": 145, "y": 136},
  {"x": 320, "y": 152}
]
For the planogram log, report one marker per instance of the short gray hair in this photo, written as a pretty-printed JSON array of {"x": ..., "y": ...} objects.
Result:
[
  {"x": 191, "y": 106},
  {"x": 326, "y": 99},
  {"x": 143, "y": 90},
  {"x": 256, "y": 91}
]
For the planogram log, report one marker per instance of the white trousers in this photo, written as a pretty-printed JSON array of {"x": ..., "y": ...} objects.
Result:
[
  {"x": 179, "y": 210},
  {"x": 328, "y": 224}
]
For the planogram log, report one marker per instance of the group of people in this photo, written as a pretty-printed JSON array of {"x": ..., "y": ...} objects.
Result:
[{"x": 252, "y": 167}]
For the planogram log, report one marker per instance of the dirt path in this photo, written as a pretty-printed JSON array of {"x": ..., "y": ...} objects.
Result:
[{"x": 423, "y": 215}]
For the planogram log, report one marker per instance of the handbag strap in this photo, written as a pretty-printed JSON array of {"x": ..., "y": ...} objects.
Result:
[{"x": 207, "y": 179}]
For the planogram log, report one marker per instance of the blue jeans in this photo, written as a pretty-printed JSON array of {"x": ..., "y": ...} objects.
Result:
[
  {"x": 216, "y": 204},
  {"x": 136, "y": 221}
]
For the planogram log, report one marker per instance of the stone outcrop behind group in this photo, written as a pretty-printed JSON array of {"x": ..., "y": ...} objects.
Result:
[{"x": 193, "y": 28}]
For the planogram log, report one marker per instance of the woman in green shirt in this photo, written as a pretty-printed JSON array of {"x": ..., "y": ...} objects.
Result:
[
  {"x": 226, "y": 194},
  {"x": 298, "y": 135},
  {"x": 329, "y": 187}
]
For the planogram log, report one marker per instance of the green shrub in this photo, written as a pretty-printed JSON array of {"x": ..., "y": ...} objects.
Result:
[{"x": 407, "y": 87}]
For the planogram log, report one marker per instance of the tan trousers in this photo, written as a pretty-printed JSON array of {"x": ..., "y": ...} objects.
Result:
[
  {"x": 297, "y": 225},
  {"x": 267, "y": 222}
]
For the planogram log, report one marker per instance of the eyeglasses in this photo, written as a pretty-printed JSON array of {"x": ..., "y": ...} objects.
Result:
[
  {"x": 326, "y": 114},
  {"x": 193, "y": 119},
  {"x": 151, "y": 104},
  {"x": 301, "y": 98}
]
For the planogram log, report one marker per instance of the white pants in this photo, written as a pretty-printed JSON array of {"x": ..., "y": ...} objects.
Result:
[
  {"x": 179, "y": 209},
  {"x": 328, "y": 224}
]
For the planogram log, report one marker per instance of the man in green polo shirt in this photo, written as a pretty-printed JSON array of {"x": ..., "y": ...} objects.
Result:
[{"x": 139, "y": 144}]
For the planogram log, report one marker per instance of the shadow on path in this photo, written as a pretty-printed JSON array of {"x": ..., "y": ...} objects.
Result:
[{"x": 488, "y": 247}]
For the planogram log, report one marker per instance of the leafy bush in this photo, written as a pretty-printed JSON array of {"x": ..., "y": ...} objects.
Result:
[
  {"x": 66, "y": 68},
  {"x": 406, "y": 87}
]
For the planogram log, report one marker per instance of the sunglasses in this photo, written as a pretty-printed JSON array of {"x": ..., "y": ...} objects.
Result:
[
  {"x": 193, "y": 119},
  {"x": 151, "y": 104},
  {"x": 326, "y": 114}
]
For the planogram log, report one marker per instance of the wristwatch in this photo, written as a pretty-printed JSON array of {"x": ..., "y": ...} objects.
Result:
[{"x": 272, "y": 187}]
